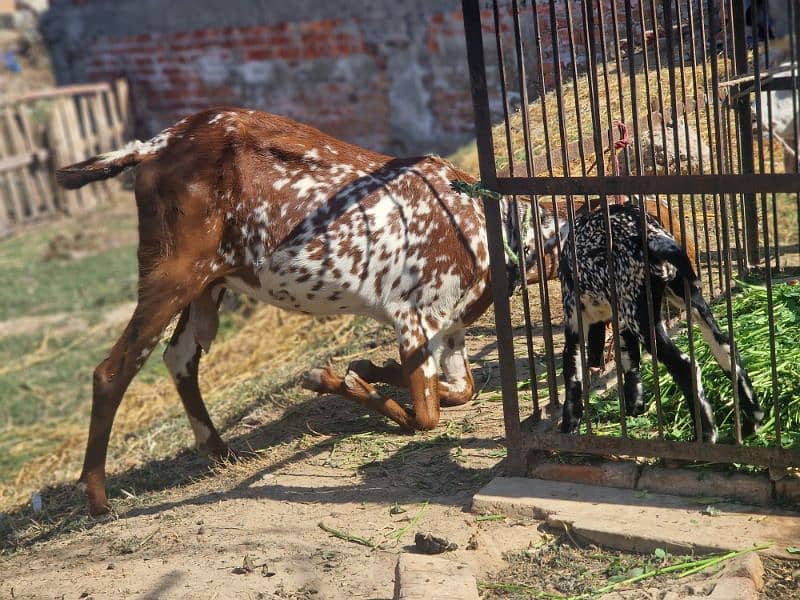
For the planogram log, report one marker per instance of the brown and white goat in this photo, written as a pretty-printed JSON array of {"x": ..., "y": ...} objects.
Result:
[
  {"x": 275, "y": 209},
  {"x": 239, "y": 199}
]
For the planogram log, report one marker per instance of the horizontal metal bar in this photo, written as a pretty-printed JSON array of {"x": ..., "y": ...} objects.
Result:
[
  {"x": 650, "y": 184},
  {"x": 602, "y": 445}
]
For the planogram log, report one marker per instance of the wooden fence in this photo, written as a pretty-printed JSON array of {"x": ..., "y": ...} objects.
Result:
[{"x": 43, "y": 130}]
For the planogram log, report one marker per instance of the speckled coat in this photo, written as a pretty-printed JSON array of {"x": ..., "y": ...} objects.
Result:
[
  {"x": 590, "y": 294},
  {"x": 232, "y": 198}
]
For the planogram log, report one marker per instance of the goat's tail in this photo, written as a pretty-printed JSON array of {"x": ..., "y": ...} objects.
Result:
[
  {"x": 110, "y": 164},
  {"x": 664, "y": 248}
]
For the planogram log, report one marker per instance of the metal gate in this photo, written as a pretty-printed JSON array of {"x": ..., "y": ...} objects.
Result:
[{"x": 604, "y": 101}]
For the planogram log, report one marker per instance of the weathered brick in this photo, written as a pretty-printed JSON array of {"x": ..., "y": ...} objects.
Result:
[
  {"x": 609, "y": 474},
  {"x": 788, "y": 490},
  {"x": 750, "y": 489},
  {"x": 419, "y": 577}
]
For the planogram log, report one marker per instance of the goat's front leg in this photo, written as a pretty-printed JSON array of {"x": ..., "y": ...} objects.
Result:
[
  {"x": 721, "y": 349},
  {"x": 680, "y": 367},
  {"x": 630, "y": 356},
  {"x": 419, "y": 369},
  {"x": 459, "y": 386}
]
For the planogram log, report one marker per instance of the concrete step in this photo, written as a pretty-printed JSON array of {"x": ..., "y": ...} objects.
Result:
[{"x": 641, "y": 521}]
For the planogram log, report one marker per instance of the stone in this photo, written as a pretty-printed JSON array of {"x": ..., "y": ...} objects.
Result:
[
  {"x": 734, "y": 588},
  {"x": 420, "y": 577},
  {"x": 747, "y": 565}
]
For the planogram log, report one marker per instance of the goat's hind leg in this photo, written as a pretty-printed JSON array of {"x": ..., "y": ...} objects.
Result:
[
  {"x": 193, "y": 334},
  {"x": 721, "y": 349},
  {"x": 158, "y": 303}
]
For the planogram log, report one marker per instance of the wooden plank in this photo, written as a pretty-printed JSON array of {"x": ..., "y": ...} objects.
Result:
[
  {"x": 101, "y": 119},
  {"x": 41, "y": 157},
  {"x": 16, "y": 207},
  {"x": 115, "y": 106},
  {"x": 74, "y": 199},
  {"x": 61, "y": 92},
  {"x": 81, "y": 149},
  {"x": 33, "y": 200}
]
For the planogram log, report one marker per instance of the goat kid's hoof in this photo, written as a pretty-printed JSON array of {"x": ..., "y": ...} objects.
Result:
[{"x": 315, "y": 380}]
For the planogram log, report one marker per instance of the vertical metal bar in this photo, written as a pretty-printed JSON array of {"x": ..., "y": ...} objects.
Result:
[
  {"x": 726, "y": 250},
  {"x": 606, "y": 87},
  {"x": 668, "y": 26},
  {"x": 598, "y": 144},
  {"x": 543, "y": 290},
  {"x": 771, "y": 144},
  {"x": 578, "y": 108},
  {"x": 660, "y": 90},
  {"x": 526, "y": 306},
  {"x": 766, "y": 234},
  {"x": 502, "y": 312},
  {"x": 745, "y": 119},
  {"x": 562, "y": 130},
  {"x": 709, "y": 92},
  {"x": 618, "y": 63},
  {"x": 698, "y": 95},
  {"x": 629, "y": 32}
]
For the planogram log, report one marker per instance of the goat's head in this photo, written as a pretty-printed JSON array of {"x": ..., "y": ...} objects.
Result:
[{"x": 520, "y": 231}]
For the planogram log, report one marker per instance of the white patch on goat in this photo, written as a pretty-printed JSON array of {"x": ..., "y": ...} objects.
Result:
[
  {"x": 201, "y": 432},
  {"x": 151, "y": 146}
]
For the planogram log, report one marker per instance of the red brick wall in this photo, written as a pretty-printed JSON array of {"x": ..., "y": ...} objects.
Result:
[{"x": 397, "y": 82}]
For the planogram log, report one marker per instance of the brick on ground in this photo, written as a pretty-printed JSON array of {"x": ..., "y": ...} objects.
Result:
[{"x": 421, "y": 577}]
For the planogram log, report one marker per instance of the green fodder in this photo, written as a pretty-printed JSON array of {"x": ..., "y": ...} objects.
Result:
[{"x": 752, "y": 333}]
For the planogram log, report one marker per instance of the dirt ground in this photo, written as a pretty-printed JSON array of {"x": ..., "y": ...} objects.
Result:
[{"x": 254, "y": 529}]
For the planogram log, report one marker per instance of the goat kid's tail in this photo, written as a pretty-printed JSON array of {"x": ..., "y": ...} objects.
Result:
[{"x": 110, "y": 164}]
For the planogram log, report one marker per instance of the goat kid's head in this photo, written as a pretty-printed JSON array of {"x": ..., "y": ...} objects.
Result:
[{"x": 520, "y": 233}]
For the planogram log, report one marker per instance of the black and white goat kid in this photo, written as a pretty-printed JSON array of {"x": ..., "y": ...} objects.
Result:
[{"x": 670, "y": 268}]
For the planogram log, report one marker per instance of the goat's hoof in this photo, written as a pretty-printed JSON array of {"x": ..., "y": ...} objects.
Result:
[
  {"x": 224, "y": 454},
  {"x": 569, "y": 427},
  {"x": 314, "y": 380},
  {"x": 635, "y": 410}
]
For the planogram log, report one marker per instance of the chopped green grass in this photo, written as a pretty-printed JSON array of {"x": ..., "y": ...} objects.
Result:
[{"x": 751, "y": 328}]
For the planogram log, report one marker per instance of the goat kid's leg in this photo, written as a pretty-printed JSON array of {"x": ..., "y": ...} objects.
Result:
[
  {"x": 194, "y": 333},
  {"x": 157, "y": 304},
  {"x": 573, "y": 380},
  {"x": 680, "y": 367},
  {"x": 596, "y": 341},
  {"x": 632, "y": 390},
  {"x": 721, "y": 349}
]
